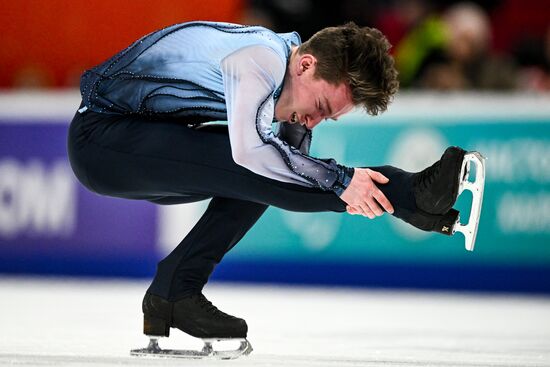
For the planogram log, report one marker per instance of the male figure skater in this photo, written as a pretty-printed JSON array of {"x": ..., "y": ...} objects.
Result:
[{"x": 142, "y": 133}]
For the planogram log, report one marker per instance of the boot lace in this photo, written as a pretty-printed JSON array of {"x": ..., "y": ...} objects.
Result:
[
  {"x": 206, "y": 305},
  {"x": 428, "y": 176}
]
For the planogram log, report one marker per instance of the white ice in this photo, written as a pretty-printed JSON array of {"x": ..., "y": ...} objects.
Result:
[{"x": 56, "y": 322}]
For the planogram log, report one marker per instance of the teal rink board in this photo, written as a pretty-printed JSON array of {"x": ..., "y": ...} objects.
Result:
[
  {"x": 49, "y": 224},
  {"x": 514, "y": 230},
  {"x": 515, "y": 220}
]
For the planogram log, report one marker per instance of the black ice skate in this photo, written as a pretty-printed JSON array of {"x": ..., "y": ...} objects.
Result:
[
  {"x": 197, "y": 317},
  {"x": 437, "y": 187}
]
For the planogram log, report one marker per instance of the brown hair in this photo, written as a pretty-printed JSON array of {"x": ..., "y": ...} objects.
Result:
[{"x": 359, "y": 56}]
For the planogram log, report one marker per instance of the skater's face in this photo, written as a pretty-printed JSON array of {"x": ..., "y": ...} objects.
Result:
[{"x": 308, "y": 100}]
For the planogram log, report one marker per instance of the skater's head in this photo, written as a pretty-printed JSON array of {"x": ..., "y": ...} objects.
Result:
[{"x": 335, "y": 70}]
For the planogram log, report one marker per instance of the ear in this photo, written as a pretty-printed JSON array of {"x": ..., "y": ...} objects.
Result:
[{"x": 306, "y": 62}]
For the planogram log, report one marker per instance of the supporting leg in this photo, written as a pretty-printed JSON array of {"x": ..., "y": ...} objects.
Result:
[{"x": 186, "y": 269}]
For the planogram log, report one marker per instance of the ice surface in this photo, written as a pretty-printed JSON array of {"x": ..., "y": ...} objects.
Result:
[{"x": 55, "y": 322}]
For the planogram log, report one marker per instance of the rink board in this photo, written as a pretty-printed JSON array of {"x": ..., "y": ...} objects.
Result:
[
  {"x": 513, "y": 244},
  {"x": 51, "y": 224}
]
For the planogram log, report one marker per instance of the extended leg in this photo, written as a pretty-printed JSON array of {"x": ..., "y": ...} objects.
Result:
[{"x": 135, "y": 158}]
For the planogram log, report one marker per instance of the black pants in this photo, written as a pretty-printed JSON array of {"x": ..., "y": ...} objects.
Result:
[{"x": 167, "y": 162}]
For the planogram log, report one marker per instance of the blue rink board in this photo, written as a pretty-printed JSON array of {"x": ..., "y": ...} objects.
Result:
[
  {"x": 484, "y": 278},
  {"x": 61, "y": 229}
]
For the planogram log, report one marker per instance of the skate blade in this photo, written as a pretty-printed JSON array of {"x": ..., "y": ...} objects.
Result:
[
  {"x": 207, "y": 352},
  {"x": 469, "y": 230}
]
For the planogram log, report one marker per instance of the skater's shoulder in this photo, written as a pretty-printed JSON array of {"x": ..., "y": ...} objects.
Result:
[{"x": 256, "y": 60}]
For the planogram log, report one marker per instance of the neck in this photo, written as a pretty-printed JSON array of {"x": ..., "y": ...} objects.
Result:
[{"x": 284, "y": 98}]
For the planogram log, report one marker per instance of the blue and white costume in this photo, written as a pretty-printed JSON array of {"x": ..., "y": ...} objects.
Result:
[
  {"x": 205, "y": 71},
  {"x": 131, "y": 140}
]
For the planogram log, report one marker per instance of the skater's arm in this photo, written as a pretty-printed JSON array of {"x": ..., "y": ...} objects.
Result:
[{"x": 251, "y": 76}]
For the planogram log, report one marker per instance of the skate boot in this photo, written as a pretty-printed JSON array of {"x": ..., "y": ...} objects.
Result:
[
  {"x": 437, "y": 187},
  {"x": 196, "y": 316}
]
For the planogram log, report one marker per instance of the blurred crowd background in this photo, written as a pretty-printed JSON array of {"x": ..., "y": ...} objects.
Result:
[{"x": 442, "y": 45}]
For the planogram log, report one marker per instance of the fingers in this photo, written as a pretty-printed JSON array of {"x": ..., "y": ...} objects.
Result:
[
  {"x": 358, "y": 210},
  {"x": 363, "y": 210},
  {"x": 367, "y": 211},
  {"x": 354, "y": 210},
  {"x": 383, "y": 200},
  {"x": 377, "y": 176},
  {"x": 364, "y": 197},
  {"x": 379, "y": 195},
  {"x": 374, "y": 207},
  {"x": 371, "y": 208}
]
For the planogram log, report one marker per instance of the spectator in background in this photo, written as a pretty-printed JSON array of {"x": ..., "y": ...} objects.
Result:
[
  {"x": 452, "y": 52},
  {"x": 397, "y": 19},
  {"x": 308, "y": 16},
  {"x": 414, "y": 31},
  {"x": 533, "y": 57}
]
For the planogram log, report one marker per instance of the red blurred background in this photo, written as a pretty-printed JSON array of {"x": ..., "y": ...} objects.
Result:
[{"x": 49, "y": 43}]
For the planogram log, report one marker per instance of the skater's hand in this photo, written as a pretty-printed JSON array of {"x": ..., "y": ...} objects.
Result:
[{"x": 362, "y": 195}]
